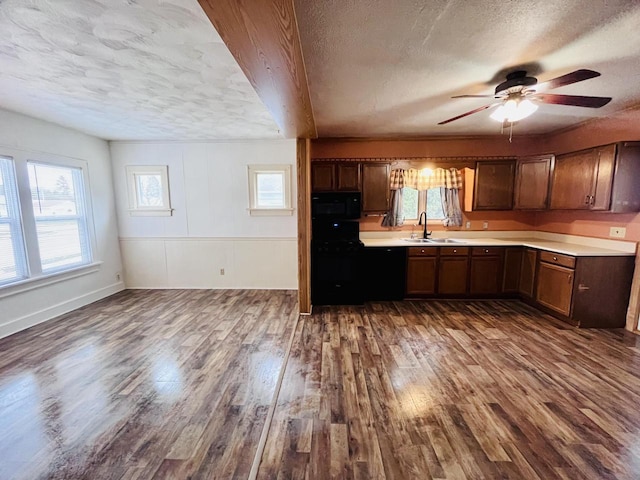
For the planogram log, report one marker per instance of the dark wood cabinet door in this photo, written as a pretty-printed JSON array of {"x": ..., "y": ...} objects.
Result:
[
  {"x": 601, "y": 291},
  {"x": 555, "y": 287},
  {"x": 348, "y": 177},
  {"x": 626, "y": 190},
  {"x": 486, "y": 275},
  {"x": 512, "y": 266},
  {"x": 532, "y": 183},
  {"x": 421, "y": 275},
  {"x": 528, "y": 272},
  {"x": 375, "y": 188},
  {"x": 323, "y": 177},
  {"x": 573, "y": 180},
  {"x": 494, "y": 185},
  {"x": 601, "y": 199},
  {"x": 452, "y": 275}
]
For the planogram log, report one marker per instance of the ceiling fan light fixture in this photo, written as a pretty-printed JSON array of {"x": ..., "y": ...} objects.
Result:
[{"x": 514, "y": 110}]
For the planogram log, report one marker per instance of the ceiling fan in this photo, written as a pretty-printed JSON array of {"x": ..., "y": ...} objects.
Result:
[{"x": 519, "y": 94}]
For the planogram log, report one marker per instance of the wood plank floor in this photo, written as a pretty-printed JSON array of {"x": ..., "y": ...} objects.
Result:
[
  {"x": 144, "y": 384},
  {"x": 455, "y": 390},
  {"x": 177, "y": 384}
]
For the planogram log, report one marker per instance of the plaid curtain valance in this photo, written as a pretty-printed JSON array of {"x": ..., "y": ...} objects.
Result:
[{"x": 425, "y": 179}]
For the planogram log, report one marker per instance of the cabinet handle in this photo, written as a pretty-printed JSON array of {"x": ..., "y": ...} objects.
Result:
[
  {"x": 591, "y": 199},
  {"x": 586, "y": 200},
  {"x": 486, "y": 251},
  {"x": 422, "y": 251},
  {"x": 555, "y": 259},
  {"x": 582, "y": 287},
  {"x": 455, "y": 251}
]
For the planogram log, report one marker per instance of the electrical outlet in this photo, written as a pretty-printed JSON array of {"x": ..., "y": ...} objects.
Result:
[
  {"x": 617, "y": 232},
  {"x": 222, "y": 271},
  {"x": 118, "y": 277},
  {"x": 485, "y": 225},
  {"x": 467, "y": 225}
]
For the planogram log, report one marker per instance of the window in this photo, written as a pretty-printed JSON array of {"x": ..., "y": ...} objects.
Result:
[
  {"x": 148, "y": 190},
  {"x": 414, "y": 202},
  {"x": 57, "y": 196},
  {"x": 13, "y": 264},
  {"x": 270, "y": 190},
  {"x": 46, "y": 225}
]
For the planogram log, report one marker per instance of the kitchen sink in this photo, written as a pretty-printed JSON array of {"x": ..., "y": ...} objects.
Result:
[{"x": 432, "y": 240}]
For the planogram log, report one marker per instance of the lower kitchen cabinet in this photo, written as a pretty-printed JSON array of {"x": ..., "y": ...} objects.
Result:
[
  {"x": 421, "y": 271},
  {"x": 528, "y": 272},
  {"x": 486, "y": 270},
  {"x": 555, "y": 287},
  {"x": 512, "y": 267},
  {"x": 383, "y": 273},
  {"x": 453, "y": 270},
  {"x": 591, "y": 292}
]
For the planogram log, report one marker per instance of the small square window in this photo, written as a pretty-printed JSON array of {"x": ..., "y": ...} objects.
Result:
[
  {"x": 270, "y": 190},
  {"x": 148, "y": 190}
]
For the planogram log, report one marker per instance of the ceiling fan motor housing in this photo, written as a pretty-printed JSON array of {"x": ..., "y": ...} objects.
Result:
[{"x": 517, "y": 79}]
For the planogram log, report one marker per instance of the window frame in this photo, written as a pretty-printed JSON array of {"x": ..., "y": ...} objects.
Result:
[
  {"x": 253, "y": 171},
  {"x": 35, "y": 276},
  {"x": 80, "y": 217},
  {"x": 137, "y": 210},
  {"x": 14, "y": 220}
]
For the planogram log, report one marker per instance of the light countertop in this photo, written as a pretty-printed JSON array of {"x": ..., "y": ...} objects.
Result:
[{"x": 566, "y": 248}]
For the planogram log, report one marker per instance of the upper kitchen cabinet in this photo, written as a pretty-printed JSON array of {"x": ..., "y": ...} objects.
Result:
[
  {"x": 331, "y": 177},
  {"x": 533, "y": 175},
  {"x": 493, "y": 185},
  {"x": 582, "y": 180},
  {"x": 625, "y": 195},
  {"x": 375, "y": 188}
]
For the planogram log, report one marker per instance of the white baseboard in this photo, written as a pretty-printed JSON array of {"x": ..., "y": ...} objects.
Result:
[{"x": 53, "y": 311}]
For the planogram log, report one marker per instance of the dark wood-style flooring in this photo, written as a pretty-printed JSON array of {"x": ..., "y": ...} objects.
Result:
[{"x": 178, "y": 384}]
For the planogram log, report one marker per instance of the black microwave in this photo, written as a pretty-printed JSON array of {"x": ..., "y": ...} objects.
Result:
[{"x": 335, "y": 205}]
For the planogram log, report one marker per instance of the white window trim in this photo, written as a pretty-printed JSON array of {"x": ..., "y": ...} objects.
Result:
[
  {"x": 136, "y": 210},
  {"x": 253, "y": 171},
  {"x": 35, "y": 276}
]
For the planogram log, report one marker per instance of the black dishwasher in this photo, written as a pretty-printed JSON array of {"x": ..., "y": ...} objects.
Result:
[{"x": 384, "y": 273}]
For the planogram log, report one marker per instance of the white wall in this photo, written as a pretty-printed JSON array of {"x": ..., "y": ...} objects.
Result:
[
  {"x": 22, "y": 310},
  {"x": 210, "y": 228}
]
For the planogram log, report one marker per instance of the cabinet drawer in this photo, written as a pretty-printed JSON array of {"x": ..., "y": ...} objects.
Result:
[
  {"x": 558, "y": 259},
  {"x": 423, "y": 251},
  {"x": 486, "y": 251},
  {"x": 454, "y": 251}
]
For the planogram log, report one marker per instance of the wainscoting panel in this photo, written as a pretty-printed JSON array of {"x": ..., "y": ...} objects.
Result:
[{"x": 253, "y": 263}]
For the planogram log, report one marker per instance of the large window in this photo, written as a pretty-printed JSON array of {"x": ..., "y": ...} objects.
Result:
[
  {"x": 13, "y": 265},
  {"x": 44, "y": 217},
  {"x": 57, "y": 195},
  {"x": 414, "y": 202}
]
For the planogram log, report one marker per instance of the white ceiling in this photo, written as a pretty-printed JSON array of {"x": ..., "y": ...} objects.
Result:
[
  {"x": 387, "y": 68},
  {"x": 126, "y": 69}
]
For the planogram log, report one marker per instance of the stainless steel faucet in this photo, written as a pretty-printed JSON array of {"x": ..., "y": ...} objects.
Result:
[{"x": 425, "y": 234}]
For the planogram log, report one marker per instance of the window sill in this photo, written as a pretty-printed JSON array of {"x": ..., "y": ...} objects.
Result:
[
  {"x": 151, "y": 213},
  {"x": 47, "y": 279},
  {"x": 270, "y": 212}
]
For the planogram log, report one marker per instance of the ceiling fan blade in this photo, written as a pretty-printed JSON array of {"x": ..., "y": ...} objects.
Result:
[
  {"x": 468, "y": 113},
  {"x": 475, "y": 96},
  {"x": 574, "y": 100},
  {"x": 568, "y": 79}
]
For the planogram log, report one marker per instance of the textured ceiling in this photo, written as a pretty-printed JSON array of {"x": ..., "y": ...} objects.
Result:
[
  {"x": 126, "y": 69},
  {"x": 385, "y": 68}
]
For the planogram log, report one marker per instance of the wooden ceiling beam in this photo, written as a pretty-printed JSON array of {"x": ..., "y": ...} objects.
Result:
[{"x": 263, "y": 37}]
